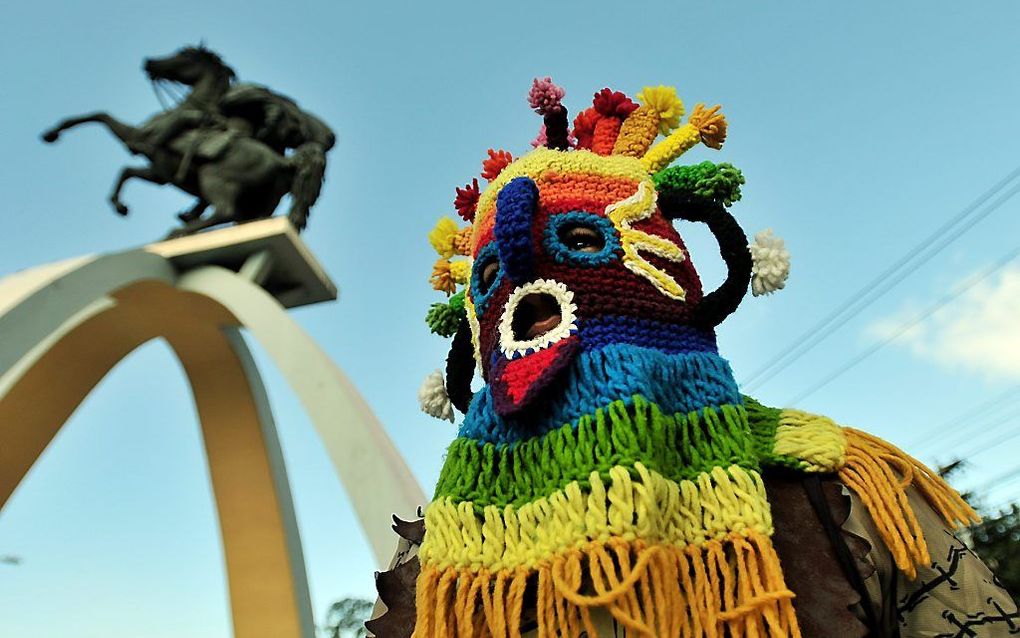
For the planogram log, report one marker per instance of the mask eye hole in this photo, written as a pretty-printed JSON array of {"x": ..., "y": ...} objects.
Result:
[
  {"x": 486, "y": 275},
  {"x": 582, "y": 238},
  {"x": 488, "y": 272}
]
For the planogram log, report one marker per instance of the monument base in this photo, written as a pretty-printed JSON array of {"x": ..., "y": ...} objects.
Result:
[
  {"x": 269, "y": 252},
  {"x": 66, "y": 325}
]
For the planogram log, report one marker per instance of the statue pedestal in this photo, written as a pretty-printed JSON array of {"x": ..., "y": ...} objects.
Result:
[
  {"x": 268, "y": 252},
  {"x": 65, "y": 325}
]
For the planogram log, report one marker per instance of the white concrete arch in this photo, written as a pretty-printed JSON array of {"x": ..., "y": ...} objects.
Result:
[{"x": 64, "y": 326}]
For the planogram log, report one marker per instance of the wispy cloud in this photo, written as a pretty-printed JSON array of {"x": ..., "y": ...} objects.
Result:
[{"x": 978, "y": 332}]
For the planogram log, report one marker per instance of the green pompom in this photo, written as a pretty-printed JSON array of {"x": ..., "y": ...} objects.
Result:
[
  {"x": 702, "y": 183},
  {"x": 457, "y": 302},
  {"x": 444, "y": 318}
]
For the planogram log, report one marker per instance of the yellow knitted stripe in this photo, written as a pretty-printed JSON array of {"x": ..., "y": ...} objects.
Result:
[
  {"x": 543, "y": 160},
  {"x": 731, "y": 586},
  {"x": 646, "y": 506},
  {"x": 880, "y": 473},
  {"x": 816, "y": 441}
]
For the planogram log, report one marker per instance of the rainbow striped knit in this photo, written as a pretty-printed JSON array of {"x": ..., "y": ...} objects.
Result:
[{"x": 610, "y": 460}]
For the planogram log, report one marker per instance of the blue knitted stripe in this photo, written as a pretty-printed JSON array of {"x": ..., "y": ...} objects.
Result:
[
  {"x": 675, "y": 382},
  {"x": 598, "y": 332}
]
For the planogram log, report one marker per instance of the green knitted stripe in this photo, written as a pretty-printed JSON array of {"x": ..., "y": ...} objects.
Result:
[
  {"x": 764, "y": 421},
  {"x": 678, "y": 446}
]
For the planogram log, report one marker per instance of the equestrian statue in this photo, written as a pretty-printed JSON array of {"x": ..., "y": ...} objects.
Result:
[{"x": 237, "y": 147}]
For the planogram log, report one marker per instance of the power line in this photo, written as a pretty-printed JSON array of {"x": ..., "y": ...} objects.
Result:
[
  {"x": 982, "y": 410},
  {"x": 1002, "y": 503},
  {"x": 985, "y": 447},
  {"x": 999, "y": 481},
  {"x": 890, "y": 277},
  {"x": 875, "y": 289},
  {"x": 905, "y": 327}
]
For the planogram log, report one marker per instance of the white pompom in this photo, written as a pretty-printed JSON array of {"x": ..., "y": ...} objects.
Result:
[
  {"x": 433, "y": 399},
  {"x": 771, "y": 263}
]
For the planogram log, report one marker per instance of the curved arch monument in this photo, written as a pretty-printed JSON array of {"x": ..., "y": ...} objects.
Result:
[{"x": 65, "y": 325}]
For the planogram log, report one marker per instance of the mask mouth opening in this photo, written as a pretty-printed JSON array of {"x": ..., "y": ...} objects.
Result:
[{"x": 535, "y": 315}]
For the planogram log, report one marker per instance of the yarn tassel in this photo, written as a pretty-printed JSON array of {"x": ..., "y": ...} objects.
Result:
[
  {"x": 638, "y": 132},
  {"x": 879, "y": 474},
  {"x": 705, "y": 125},
  {"x": 613, "y": 108},
  {"x": 728, "y": 587},
  {"x": 557, "y": 130},
  {"x": 607, "y": 129}
]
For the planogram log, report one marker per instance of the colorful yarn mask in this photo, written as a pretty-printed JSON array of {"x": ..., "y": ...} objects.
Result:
[
  {"x": 608, "y": 460},
  {"x": 537, "y": 307}
]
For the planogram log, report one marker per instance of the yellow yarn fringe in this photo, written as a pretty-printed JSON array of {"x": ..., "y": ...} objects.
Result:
[
  {"x": 647, "y": 506},
  {"x": 880, "y": 473},
  {"x": 728, "y": 587}
]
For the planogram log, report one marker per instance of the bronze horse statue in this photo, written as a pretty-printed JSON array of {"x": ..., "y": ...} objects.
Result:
[{"x": 237, "y": 147}]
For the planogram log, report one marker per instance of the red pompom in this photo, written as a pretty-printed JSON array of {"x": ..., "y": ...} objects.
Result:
[
  {"x": 584, "y": 127},
  {"x": 610, "y": 103},
  {"x": 498, "y": 160},
  {"x": 467, "y": 200}
]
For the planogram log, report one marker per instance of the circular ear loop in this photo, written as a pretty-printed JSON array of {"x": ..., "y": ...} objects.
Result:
[
  {"x": 720, "y": 303},
  {"x": 460, "y": 368}
]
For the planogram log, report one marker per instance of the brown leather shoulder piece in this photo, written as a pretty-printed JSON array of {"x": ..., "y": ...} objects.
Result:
[
  {"x": 396, "y": 587},
  {"x": 826, "y": 603}
]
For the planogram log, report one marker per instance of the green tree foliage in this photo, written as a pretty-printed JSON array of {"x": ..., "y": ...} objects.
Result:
[
  {"x": 346, "y": 618},
  {"x": 997, "y": 541}
]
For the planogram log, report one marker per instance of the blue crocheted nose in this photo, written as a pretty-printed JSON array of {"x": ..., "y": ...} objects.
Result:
[{"x": 515, "y": 208}]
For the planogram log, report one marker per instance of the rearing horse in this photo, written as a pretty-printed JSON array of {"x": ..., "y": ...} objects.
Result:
[{"x": 224, "y": 143}]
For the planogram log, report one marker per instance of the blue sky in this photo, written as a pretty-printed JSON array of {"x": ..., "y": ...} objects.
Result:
[{"x": 860, "y": 129}]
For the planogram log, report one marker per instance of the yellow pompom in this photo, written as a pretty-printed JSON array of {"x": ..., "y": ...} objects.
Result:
[
  {"x": 664, "y": 101},
  {"x": 442, "y": 278},
  {"x": 443, "y": 237},
  {"x": 462, "y": 243},
  {"x": 711, "y": 125},
  {"x": 460, "y": 271}
]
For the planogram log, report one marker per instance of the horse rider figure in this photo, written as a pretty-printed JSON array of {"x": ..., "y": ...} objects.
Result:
[{"x": 237, "y": 147}]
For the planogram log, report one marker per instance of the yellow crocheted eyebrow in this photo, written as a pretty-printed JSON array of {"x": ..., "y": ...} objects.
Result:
[
  {"x": 625, "y": 213},
  {"x": 472, "y": 317},
  {"x": 650, "y": 507}
]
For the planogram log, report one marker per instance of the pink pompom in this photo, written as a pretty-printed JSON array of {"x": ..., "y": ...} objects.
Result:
[
  {"x": 540, "y": 139},
  {"x": 545, "y": 97}
]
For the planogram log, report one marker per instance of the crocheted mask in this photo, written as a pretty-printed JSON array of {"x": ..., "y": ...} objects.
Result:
[
  {"x": 574, "y": 258},
  {"x": 572, "y": 254}
]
